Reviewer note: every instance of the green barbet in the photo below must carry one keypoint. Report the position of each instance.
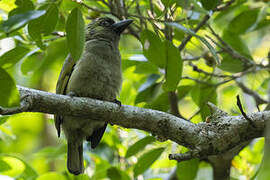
(97, 74)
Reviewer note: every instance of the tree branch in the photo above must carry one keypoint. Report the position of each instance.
(186, 40)
(252, 93)
(223, 133)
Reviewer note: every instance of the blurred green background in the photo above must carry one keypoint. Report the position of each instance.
(33, 50)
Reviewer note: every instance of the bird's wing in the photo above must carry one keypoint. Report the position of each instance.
(65, 75)
(61, 87)
(96, 136)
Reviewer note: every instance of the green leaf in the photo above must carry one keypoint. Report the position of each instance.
(168, 3)
(19, 20)
(139, 145)
(262, 20)
(51, 175)
(128, 63)
(187, 169)
(241, 23)
(183, 91)
(236, 43)
(185, 4)
(14, 55)
(75, 33)
(55, 52)
(263, 172)
(201, 94)
(50, 19)
(149, 82)
(174, 67)
(188, 31)
(34, 30)
(114, 174)
(146, 160)
(228, 14)
(153, 48)
(197, 7)
(160, 103)
(4, 166)
(146, 68)
(148, 94)
(27, 4)
(51, 153)
(3, 119)
(158, 10)
(101, 167)
(142, 67)
(229, 63)
(23, 6)
(28, 172)
(32, 63)
(44, 24)
(148, 90)
(208, 5)
(9, 95)
(179, 35)
(68, 5)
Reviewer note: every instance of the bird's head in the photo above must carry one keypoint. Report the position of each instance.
(106, 28)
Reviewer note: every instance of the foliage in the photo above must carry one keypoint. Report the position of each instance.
(195, 49)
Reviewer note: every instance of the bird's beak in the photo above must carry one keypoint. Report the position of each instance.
(120, 26)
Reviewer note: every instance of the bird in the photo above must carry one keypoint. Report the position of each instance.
(97, 74)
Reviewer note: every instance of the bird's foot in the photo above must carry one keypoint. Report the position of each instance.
(71, 94)
(117, 102)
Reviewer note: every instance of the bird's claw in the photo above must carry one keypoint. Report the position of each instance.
(117, 102)
(71, 94)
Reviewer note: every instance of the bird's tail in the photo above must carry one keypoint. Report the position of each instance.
(75, 157)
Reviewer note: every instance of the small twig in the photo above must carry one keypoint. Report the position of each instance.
(125, 8)
(156, 20)
(241, 74)
(195, 58)
(197, 80)
(151, 6)
(97, 10)
(173, 98)
(104, 2)
(119, 9)
(59, 33)
(24, 105)
(201, 24)
(239, 104)
(10, 111)
(216, 43)
(224, 6)
(195, 68)
(225, 81)
(130, 4)
(184, 156)
(181, 157)
(230, 50)
(252, 93)
(142, 22)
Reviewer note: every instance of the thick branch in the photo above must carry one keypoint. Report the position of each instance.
(223, 133)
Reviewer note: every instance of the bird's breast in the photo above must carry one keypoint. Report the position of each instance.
(98, 73)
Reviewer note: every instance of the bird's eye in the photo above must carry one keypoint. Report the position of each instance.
(104, 23)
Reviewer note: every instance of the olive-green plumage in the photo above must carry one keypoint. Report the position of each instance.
(97, 74)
